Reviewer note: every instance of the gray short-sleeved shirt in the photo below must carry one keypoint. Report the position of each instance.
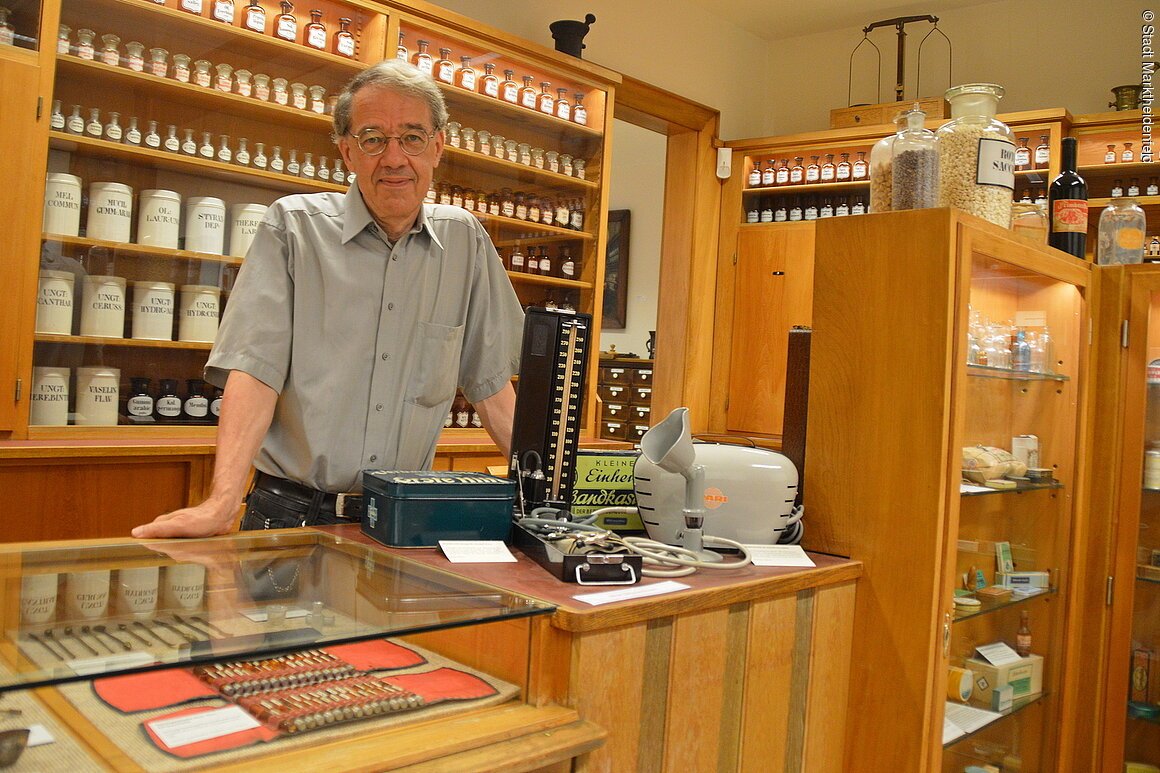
(365, 343)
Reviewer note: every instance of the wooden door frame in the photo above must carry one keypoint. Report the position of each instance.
(688, 266)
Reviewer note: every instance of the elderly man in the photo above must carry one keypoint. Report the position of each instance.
(354, 319)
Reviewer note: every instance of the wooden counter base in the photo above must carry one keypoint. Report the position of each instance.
(746, 670)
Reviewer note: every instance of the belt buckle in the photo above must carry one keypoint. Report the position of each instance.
(340, 502)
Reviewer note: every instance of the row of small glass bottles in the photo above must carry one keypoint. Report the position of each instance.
(489, 144)
(223, 152)
(802, 174)
(1133, 190)
(1027, 158)
(1004, 345)
(536, 260)
(778, 211)
(201, 405)
(1126, 156)
(314, 33)
(564, 213)
(221, 77)
(466, 77)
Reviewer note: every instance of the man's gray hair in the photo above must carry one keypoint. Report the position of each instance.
(398, 76)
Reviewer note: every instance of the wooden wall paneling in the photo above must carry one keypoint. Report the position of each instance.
(79, 498)
(829, 655)
(606, 689)
(766, 708)
(696, 691)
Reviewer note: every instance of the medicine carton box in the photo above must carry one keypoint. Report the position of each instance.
(1024, 676)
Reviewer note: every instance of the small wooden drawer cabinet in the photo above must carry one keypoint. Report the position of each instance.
(625, 390)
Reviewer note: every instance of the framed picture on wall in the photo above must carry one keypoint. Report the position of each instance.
(615, 312)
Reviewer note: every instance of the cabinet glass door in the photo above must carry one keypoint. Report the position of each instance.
(20, 24)
(1018, 407)
(1142, 734)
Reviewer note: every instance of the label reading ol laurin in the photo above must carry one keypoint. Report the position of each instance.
(996, 163)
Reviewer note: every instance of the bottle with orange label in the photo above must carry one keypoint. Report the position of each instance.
(1067, 205)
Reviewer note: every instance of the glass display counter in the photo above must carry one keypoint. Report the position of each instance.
(75, 613)
(273, 646)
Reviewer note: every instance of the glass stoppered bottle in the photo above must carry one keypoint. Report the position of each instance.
(915, 165)
(445, 68)
(314, 33)
(579, 112)
(466, 76)
(254, 17)
(977, 155)
(423, 60)
(489, 83)
(1122, 233)
(344, 42)
(286, 26)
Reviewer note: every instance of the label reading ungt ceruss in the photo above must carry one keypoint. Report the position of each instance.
(996, 163)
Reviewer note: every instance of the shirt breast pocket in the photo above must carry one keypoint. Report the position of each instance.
(437, 366)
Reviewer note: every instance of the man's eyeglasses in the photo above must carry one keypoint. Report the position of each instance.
(373, 142)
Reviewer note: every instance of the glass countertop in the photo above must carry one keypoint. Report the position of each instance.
(78, 611)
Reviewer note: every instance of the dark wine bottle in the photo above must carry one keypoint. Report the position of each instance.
(1068, 206)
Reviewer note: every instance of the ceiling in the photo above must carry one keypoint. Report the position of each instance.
(774, 19)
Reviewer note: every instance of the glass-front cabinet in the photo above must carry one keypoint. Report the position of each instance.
(1128, 456)
(1016, 415)
(952, 420)
(173, 124)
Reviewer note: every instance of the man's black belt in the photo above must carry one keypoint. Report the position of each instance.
(348, 506)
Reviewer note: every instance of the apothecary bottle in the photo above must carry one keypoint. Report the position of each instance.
(110, 53)
(62, 40)
(1023, 155)
(489, 84)
(401, 51)
(1121, 233)
(254, 17)
(829, 169)
(85, 38)
(755, 175)
(797, 173)
(466, 76)
(509, 90)
(159, 62)
(135, 56)
(75, 123)
(445, 68)
(344, 42)
(860, 169)
(152, 139)
(223, 11)
(286, 26)
(181, 71)
(915, 165)
(563, 106)
(1042, 151)
(813, 171)
(1127, 156)
(842, 170)
(132, 133)
(201, 73)
(768, 175)
(168, 404)
(977, 155)
(579, 112)
(140, 402)
(314, 33)
(547, 103)
(781, 176)
(528, 93)
(423, 60)
(93, 126)
(192, 6)
(56, 118)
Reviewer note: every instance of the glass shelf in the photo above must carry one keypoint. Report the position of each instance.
(1017, 705)
(989, 605)
(987, 371)
(1146, 712)
(119, 607)
(1020, 488)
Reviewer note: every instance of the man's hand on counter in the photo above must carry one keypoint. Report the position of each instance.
(210, 518)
